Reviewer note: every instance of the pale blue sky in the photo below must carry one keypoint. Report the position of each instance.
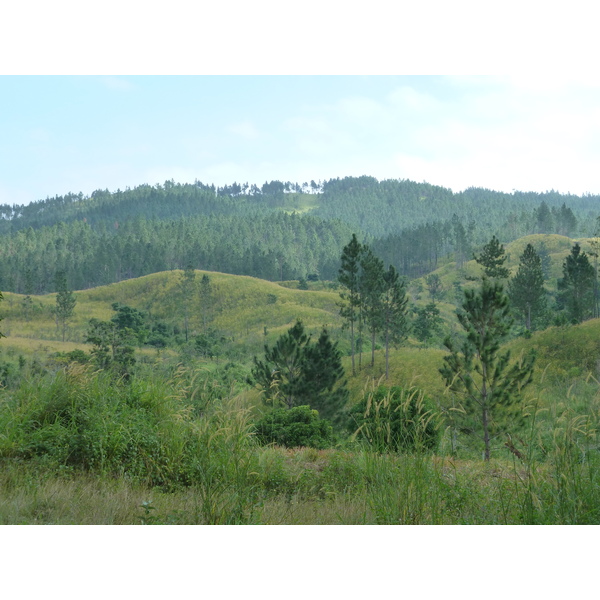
(64, 134)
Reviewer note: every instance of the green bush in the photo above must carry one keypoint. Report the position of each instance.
(395, 420)
(294, 427)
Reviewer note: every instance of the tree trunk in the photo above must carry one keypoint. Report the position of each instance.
(373, 348)
(486, 433)
(352, 345)
(387, 355)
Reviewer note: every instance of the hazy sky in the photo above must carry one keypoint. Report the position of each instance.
(538, 130)
(80, 133)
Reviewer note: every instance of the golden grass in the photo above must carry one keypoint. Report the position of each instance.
(244, 306)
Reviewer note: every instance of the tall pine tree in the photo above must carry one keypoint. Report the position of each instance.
(372, 287)
(349, 277)
(526, 289)
(576, 288)
(65, 303)
(477, 370)
(393, 312)
(492, 259)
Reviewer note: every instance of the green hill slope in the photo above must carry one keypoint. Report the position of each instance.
(244, 307)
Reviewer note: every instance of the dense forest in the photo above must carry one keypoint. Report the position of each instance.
(280, 231)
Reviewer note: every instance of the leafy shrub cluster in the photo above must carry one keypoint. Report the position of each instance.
(145, 431)
(295, 427)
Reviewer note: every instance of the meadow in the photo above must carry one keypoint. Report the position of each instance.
(176, 444)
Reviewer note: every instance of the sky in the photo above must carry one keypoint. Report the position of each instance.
(448, 93)
(81, 133)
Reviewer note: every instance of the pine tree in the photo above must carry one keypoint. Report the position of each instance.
(65, 302)
(393, 312)
(427, 322)
(576, 288)
(477, 370)
(323, 374)
(526, 289)
(544, 222)
(207, 300)
(434, 286)
(280, 374)
(492, 258)
(349, 277)
(298, 372)
(1, 298)
(187, 286)
(371, 285)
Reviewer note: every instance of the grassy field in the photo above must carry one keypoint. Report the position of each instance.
(176, 445)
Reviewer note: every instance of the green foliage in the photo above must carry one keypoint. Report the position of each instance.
(112, 346)
(393, 312)
(434, 286)
(427, 323)
(208, 344)
(348, 277)
(296, 371)
(492, 258)
(371, 290)
(130, 319)
(526, 289)
(395, 420)
(298, 426)
(478, 371)
(142, 432)
(576, 288)
(65, 302)
(1, 298)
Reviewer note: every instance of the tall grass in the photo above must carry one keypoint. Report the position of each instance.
(81, 447)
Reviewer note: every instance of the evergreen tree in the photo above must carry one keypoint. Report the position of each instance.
(298, 372)
(393, 312)
(131, 320)
(492, 258)
(207, 301)
(545, 260)
(544, 219)
(576, 288)
(526, 289)
(595, 253)
(323, 375)
(348, 276)
(371, 285)
(477, 370)
(1, 298)
(112, 347)
(187, 287)
(434, 286)
(65, 303)
(428, 322)
(280, 374)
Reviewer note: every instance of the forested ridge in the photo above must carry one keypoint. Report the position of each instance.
(279, 231)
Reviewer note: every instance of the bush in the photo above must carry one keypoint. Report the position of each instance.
(393, 419)
(294, 427)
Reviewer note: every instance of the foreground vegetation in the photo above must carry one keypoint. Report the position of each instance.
(148, 401)
(83, 447)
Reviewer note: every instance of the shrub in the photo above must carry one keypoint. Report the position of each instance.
(393, 419)
(297, 426)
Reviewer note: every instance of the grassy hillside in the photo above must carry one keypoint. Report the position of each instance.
(244, 307)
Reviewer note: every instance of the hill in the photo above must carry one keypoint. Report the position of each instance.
(277, 232)
(244, 309)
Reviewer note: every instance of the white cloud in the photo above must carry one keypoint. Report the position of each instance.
(117, 83)
(245, 129)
